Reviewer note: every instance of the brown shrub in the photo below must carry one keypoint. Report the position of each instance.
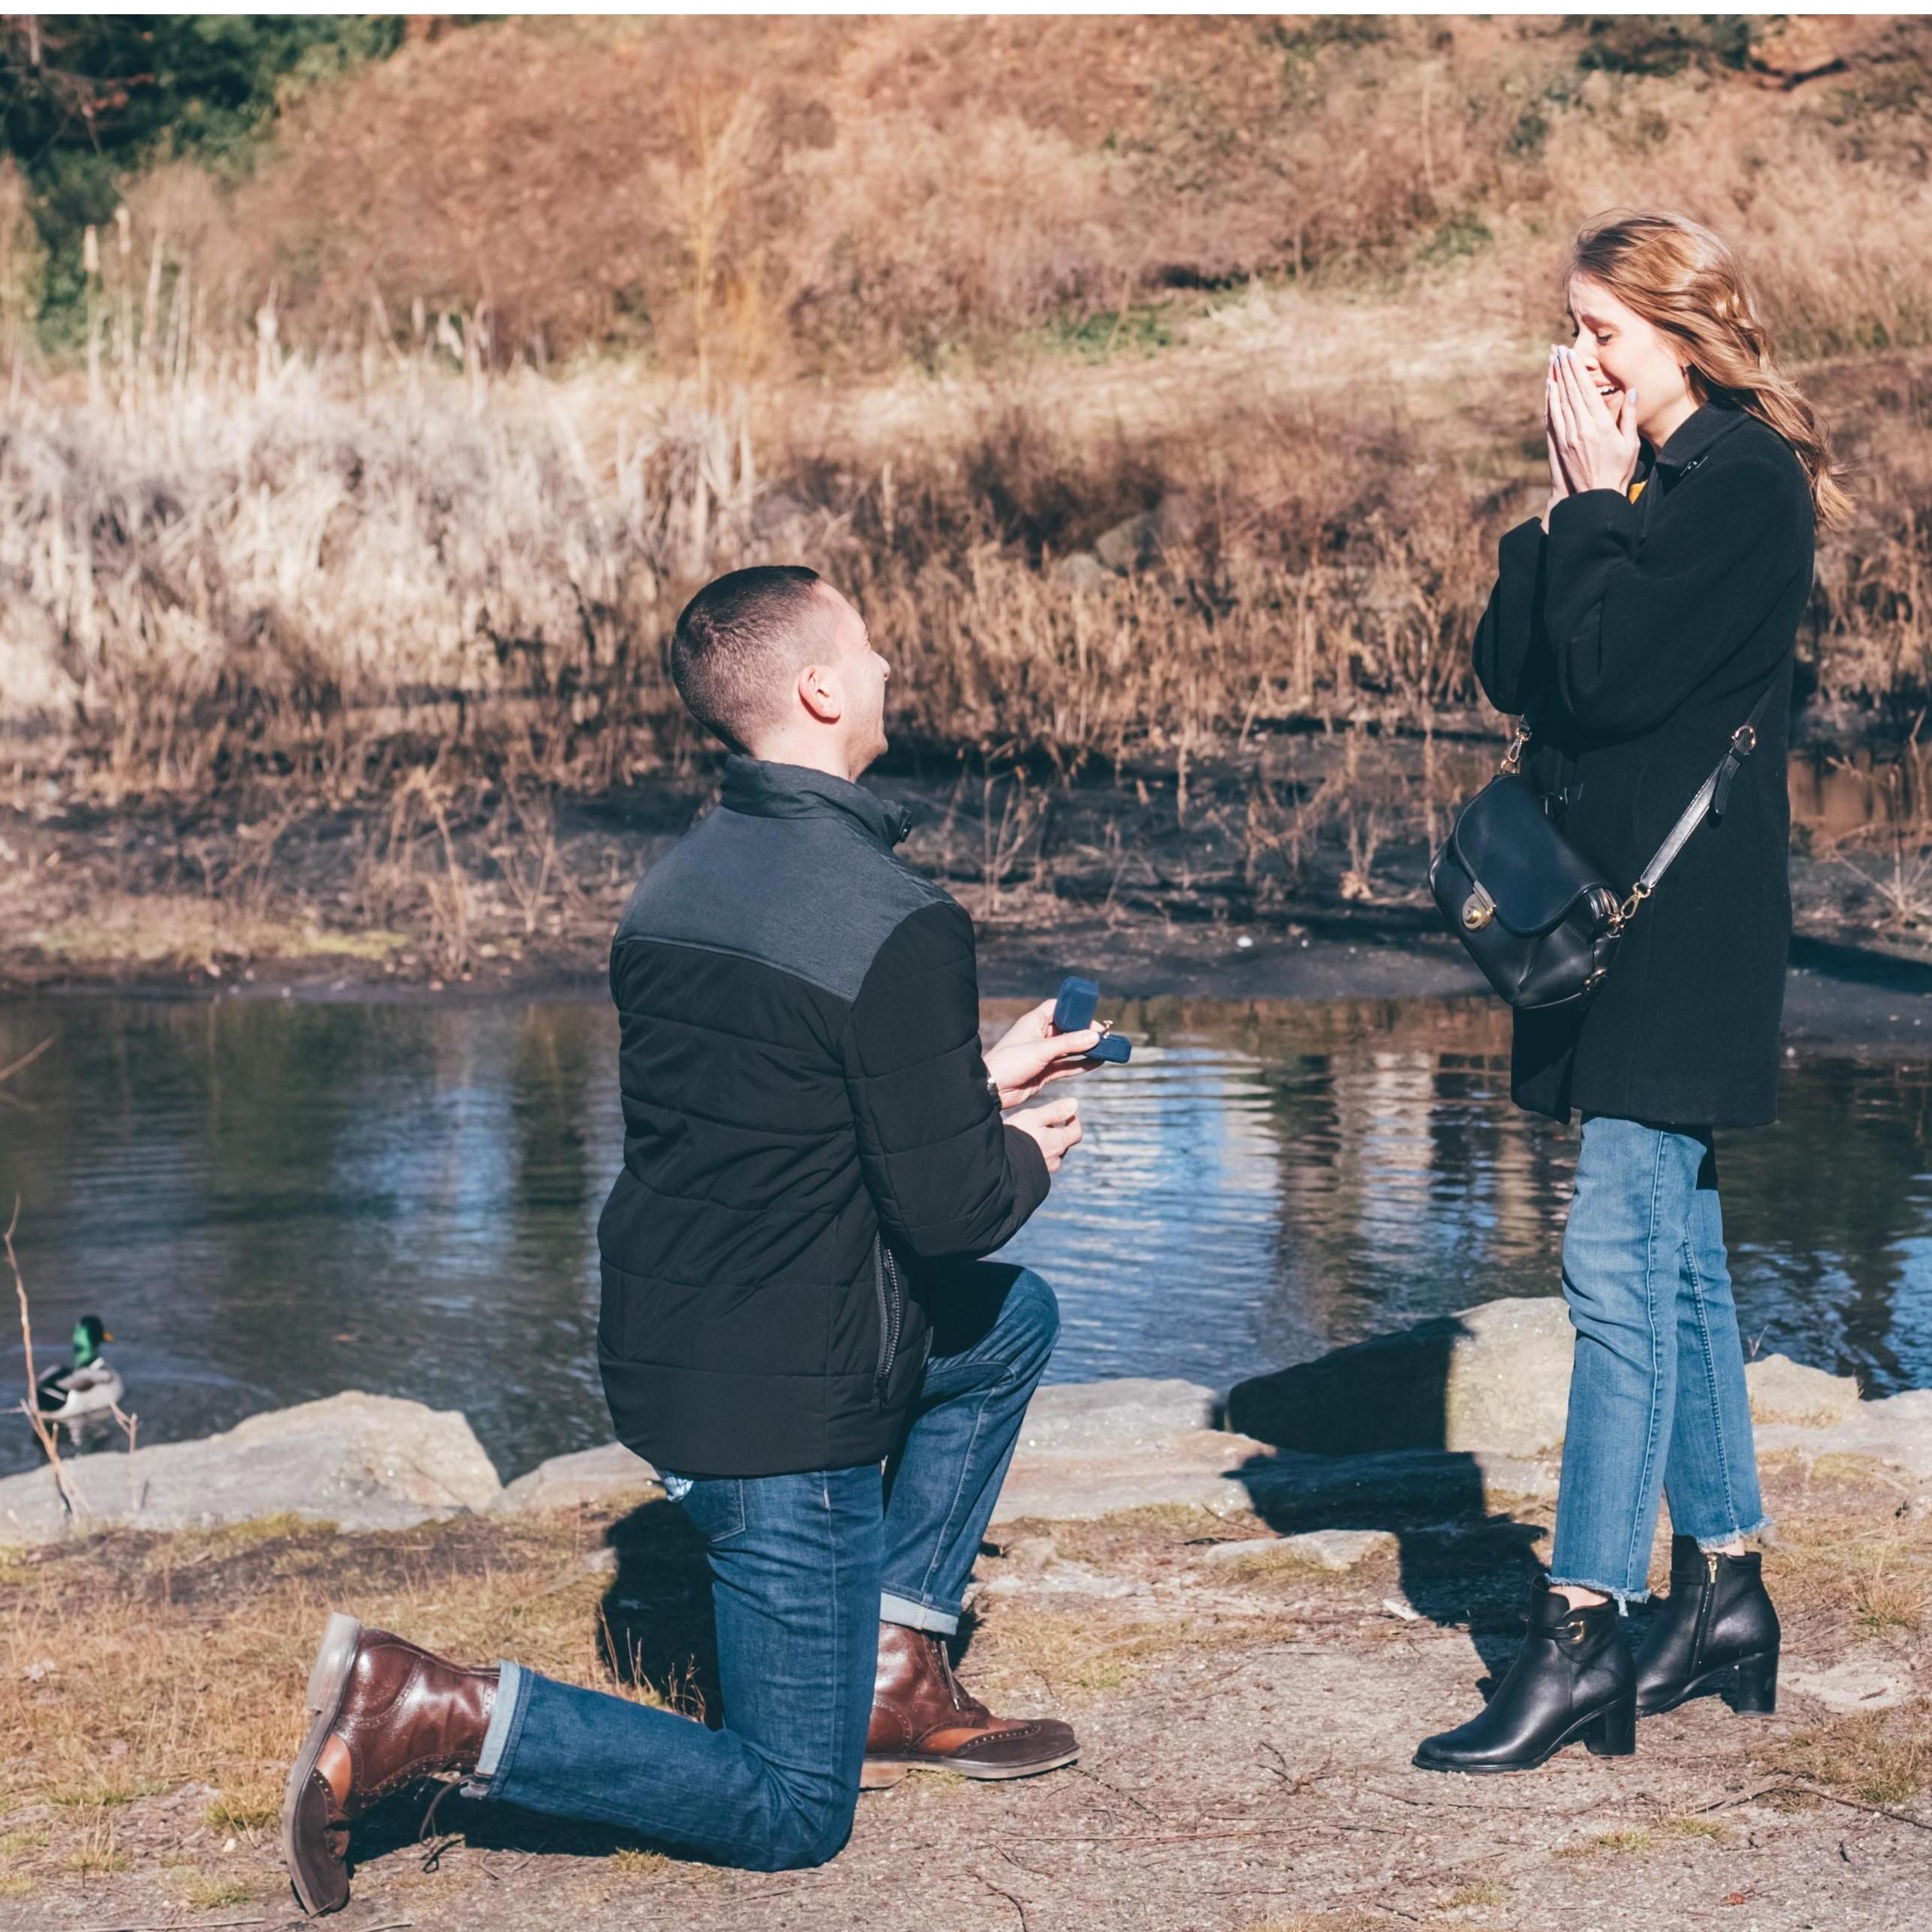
(764, 194)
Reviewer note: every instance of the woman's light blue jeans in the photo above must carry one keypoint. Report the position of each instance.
(1657, 1403)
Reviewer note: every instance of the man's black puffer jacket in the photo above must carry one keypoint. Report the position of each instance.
(806, 1118)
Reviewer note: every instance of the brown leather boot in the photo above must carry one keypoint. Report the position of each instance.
(385, 1714)
(924, 1719)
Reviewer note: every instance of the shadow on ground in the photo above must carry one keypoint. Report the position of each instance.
(655, 1634)
(1363, 1440)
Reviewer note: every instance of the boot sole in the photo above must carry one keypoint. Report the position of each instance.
(327, 1679)
(1617, 1740)
(880, 1774)
(1752, 1691)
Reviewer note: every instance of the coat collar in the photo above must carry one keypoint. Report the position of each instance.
(1695, 436)
(761, 789)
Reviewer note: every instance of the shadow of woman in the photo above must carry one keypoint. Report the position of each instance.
(1361, 1445)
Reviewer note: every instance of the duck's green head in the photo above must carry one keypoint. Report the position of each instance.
(89, 1334)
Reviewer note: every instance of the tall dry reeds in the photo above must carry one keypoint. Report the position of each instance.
(263, 564)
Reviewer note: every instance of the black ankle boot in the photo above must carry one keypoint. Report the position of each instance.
(1572, 1679)
(1716, 1631)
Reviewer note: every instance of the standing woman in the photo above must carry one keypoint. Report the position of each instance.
(1641, 621)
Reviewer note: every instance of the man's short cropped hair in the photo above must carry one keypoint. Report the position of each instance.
(738, 642)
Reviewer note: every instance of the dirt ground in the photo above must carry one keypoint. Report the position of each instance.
(1246, 1720)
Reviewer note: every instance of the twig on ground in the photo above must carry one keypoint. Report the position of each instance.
(1007, 1895)
(44, 1432)
(1093, 1777)
(1296, 1781)
(1020, 1865)
(175, 1924)
(1738, 1798)
(1798, 1781)
(136, 1488)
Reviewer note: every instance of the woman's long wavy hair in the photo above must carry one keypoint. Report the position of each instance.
(1684, 279)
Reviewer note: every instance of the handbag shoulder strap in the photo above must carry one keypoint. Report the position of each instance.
(1712, 796)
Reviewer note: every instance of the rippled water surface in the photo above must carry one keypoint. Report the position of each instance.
(269, 1203)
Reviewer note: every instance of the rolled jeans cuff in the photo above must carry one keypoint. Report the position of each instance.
(916, 1616)
(502, 1726)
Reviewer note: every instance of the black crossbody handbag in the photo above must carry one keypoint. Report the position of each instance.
(1539, 919)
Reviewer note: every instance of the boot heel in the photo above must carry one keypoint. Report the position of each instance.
(1753, 1692)
(1613, 1733)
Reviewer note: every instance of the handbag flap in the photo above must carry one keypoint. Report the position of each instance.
(1505, 841)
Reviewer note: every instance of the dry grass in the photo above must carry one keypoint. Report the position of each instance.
(211, 1635)
(1051, 1654)
(1881, 1757)
(1131, 1537)
(338, 595)
(174, 929)
(1480, 1892)
(1708, 1829)
(632, 1861)
(1355, 1919)
(202, 1891)
(1621, 1841)
(1847, 1560)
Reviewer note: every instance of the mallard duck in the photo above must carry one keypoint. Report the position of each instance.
(88, 1386)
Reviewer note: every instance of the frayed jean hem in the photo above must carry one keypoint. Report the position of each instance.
(1764, 1529)
(1623, 1599)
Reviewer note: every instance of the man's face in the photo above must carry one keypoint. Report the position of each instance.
(862, 674)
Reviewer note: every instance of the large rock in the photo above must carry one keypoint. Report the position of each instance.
(1088, 1448)
(1896, 1430)
(364, 1462)
(601, 1478)
(1134, 1412)
(1782, 1390)
(1495, 1378)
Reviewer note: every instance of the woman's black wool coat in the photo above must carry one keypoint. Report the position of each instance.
(1639, 635)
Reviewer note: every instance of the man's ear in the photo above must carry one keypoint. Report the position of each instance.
(818, 692)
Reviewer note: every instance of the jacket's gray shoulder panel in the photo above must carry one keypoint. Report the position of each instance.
(810, 896)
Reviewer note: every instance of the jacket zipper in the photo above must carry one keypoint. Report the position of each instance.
(885, 1286)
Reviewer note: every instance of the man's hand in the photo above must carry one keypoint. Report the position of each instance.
(1056, 1127)
(1030, 1055)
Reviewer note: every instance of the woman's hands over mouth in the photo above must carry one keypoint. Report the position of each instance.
(1592, 446)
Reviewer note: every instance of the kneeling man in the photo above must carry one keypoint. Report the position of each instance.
(796, 1328)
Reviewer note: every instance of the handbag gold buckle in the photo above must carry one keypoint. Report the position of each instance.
(1478, 909)
(1623, 914)
(1519, 743)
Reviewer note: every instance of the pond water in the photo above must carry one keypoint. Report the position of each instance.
(271, 1202)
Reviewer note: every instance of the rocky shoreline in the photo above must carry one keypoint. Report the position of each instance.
(1467, 1410)
(1249, 1605)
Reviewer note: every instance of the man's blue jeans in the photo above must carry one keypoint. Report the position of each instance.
(1657, 1404)
(803, 1567)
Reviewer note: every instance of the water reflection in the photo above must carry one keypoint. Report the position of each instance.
(270, 1203)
